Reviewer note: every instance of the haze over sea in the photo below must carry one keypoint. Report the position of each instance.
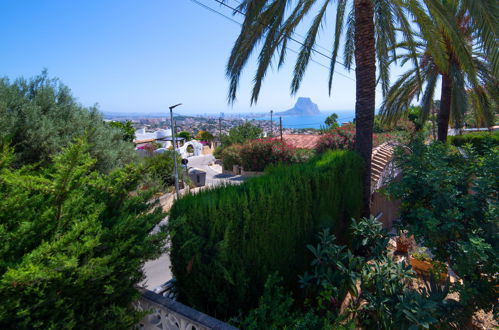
(311, 121)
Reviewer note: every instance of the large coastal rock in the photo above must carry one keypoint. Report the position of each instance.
(303, 107)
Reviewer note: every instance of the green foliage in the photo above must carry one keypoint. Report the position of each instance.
(414, 115)
(332, 121)
(160, 168)
(449, 202)
(275, 311)
(256, 155)
(217, 153)
(204, 136)
(40, 117)
(373, 293)
(454, 57)
(72, 243)
(226, 241)
(370, 240)
(383, 283)
(241, 134)
(342, 138)
(481, 141)
(185, 135)
(335, 273)
(302, 155)
(231, 156)
(127, 129)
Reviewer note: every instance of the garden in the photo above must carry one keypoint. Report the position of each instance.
(285, 250)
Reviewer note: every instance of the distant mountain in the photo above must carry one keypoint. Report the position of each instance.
(303, 107)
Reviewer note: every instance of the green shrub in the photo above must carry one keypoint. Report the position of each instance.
(231, 156)
(73, 243)
(450, 202)
(479, 140)
(159, 166)
(227, 241)
(275, 311)
(39, 117)
(241, 134)
(302, 155)
(256, 155)
(217, 153)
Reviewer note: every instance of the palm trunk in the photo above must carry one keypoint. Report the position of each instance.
(444, 112)
(365, 83)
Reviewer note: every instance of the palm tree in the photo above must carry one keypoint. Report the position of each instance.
(365, 42)
(462, 72)
(369, 29)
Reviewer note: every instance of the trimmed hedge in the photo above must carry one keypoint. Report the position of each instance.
(226, 241)
(479, 140)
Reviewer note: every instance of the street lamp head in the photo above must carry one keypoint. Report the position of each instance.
(174, 106)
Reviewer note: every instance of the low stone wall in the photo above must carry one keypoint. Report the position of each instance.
(168, 314)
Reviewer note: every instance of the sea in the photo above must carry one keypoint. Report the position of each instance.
(315, 121)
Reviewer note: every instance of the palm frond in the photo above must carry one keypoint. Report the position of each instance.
(340, 16)
(399, 97)
(485, 15)
(307, 48)
(275, 12)
(431, 78)
(349, 50)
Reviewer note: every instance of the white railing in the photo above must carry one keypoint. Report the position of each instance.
(168, 314)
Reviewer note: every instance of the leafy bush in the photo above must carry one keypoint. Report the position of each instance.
(231, 156)
(302, 155)
(242, 133)
(275, 311)
(160, 167)
(335, 271)
(39, 117)
(256, 155)
(481, 141)
(370, 240)
(342, 138)
(204, 136)
(127, 129)
(226, 241)
(217, 153)
(185, 135)
(373, 293)
(72, 243)
(450, 204)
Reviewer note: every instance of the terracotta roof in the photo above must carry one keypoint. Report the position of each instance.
(304, 141)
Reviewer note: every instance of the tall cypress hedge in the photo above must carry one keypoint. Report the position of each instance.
(226, 241)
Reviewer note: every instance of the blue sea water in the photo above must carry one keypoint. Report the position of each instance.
(311, 121)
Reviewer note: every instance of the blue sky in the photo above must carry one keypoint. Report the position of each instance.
(142, 56)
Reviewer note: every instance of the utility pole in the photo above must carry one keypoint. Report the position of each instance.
(174, 150)
(271, 128)
(220, 130)
(280, 126)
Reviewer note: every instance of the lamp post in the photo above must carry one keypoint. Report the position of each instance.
(174, 149)
(271, 128)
